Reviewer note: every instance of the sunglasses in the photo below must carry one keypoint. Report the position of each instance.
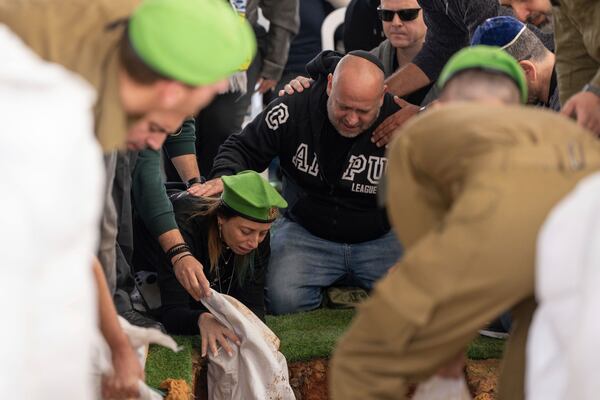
(407, 14)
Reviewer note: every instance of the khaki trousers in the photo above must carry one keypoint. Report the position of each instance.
(470, 257)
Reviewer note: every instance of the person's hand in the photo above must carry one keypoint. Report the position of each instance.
(123, 383)
(296, 85)
(454, 368)
(209, 188)
(190, 273)
(383, 134)
(585, 108)
(195, 189)
(264, 85)
(212, 331)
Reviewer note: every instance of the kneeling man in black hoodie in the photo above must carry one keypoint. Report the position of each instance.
(333, 231)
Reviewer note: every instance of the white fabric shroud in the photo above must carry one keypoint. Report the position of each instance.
(139, 338)
(563, 348)
(257, 370)
(51, 178)
(440, 388)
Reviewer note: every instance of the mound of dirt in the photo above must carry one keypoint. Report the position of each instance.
(177, 389)
(309, 379)
(482, 378)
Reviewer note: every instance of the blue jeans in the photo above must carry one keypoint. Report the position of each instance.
(302, 265)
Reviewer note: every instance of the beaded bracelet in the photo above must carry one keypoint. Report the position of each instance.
(177, 249)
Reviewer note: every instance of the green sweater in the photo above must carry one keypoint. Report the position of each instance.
(147, 187)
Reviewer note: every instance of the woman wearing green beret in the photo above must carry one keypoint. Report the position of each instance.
(230, 237)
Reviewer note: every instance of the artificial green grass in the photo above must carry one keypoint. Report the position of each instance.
(304, 336)
(311, 334)
(483, 348)
(163, 363)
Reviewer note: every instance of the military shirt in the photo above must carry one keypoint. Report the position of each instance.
(83, 36)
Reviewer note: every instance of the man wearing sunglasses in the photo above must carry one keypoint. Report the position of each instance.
(406, 14)
(450, 26)
(404, 30)
(450, 23)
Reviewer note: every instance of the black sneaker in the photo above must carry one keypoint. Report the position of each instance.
(139, 319)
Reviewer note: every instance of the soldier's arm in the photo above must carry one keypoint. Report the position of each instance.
(181, 150)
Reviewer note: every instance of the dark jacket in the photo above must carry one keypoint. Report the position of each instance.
(179, 312)
(450, 25)
(362, 26)
(307, 43)
(554, 100)
(342, 210)
(387, 54)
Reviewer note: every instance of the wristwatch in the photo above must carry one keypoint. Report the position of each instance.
(592, 89)
(195, 180)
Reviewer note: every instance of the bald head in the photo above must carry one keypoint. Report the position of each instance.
(358, 74)
(355, 89)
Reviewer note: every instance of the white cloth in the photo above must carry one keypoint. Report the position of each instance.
(439, 388)
(257, 370)
(140, 338)
(50, 185)
(563, 349)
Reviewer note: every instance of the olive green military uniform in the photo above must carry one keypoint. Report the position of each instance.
(577, 36)
(468, 187)
(77, 35)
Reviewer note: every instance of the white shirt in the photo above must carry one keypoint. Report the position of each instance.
(563, 349)
(50, 201)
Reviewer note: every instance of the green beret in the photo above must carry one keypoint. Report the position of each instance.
(197, 42)
(250, 196)
(487, 58)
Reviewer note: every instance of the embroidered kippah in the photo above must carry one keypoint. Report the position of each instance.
(369, 57)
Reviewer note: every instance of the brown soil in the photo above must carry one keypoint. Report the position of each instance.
(482, 378)
(309, 379)
(177, 389)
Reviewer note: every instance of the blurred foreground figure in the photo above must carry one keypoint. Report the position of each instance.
(49, 235)
(468, 187)
(562, 353)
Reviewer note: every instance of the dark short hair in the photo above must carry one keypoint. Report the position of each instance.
(527, 47)
(469, 83)
(134, 65)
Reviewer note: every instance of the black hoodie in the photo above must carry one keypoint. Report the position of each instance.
(344, 210)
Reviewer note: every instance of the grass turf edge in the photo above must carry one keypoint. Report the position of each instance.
(304, 336)
(163, 363)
